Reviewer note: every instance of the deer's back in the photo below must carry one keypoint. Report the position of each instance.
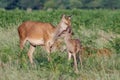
(77, 44)
(36, 30)
(74, 45)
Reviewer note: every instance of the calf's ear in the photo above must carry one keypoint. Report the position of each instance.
(69, 17)
(63, 15)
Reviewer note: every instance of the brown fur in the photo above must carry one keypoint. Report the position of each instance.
(73, 47)
(43, 34)
(59, 46)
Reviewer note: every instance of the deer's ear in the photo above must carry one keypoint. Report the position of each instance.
(63, 15)
(69, 17)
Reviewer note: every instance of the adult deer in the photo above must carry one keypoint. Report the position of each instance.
(42, 34)
(73, 48)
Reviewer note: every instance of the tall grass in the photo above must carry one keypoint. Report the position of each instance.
(95, 28)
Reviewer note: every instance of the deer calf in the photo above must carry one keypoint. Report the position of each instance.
(73, 48)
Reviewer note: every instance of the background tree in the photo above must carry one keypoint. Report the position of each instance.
(60, 4)
(75, 4)
(5, 3)
(111, 4)
(33, 4)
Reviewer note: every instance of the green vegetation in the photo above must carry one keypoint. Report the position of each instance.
(95, 28)
(63, 4)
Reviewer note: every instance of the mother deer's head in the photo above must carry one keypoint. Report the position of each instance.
(64, 24)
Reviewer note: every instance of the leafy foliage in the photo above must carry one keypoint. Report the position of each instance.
(63, 4)
(97, 30)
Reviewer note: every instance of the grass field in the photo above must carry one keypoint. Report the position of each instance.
(97, 29)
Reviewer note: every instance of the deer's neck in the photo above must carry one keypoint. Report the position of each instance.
(57, 32)
(67, 39)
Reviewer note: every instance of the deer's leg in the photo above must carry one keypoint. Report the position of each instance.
(69, 56)
(48, 48)
(22, 43)
(80, 57)
(75, 62)
(30, 53)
